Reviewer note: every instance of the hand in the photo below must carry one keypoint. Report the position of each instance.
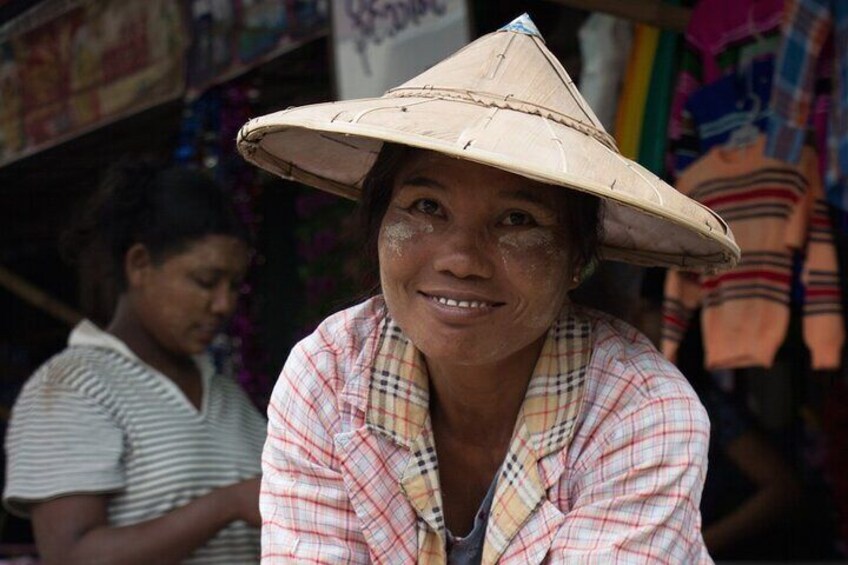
(244, 497)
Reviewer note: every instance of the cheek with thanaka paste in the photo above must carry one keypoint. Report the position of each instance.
(396, 235)
(536, 257)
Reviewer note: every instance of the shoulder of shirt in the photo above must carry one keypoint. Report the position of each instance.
(339, 353)
(346, 331)
(626, 366)
(81, 368)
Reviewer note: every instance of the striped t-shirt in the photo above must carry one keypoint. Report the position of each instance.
(96, 419)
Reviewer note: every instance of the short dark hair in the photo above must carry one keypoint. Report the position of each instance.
(580, 213)
(166, 209)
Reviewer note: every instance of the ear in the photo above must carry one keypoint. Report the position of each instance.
(575, 277)
(137, 265)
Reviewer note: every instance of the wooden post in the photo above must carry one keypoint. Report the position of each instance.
(38, 298)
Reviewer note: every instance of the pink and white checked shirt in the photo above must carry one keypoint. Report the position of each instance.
(606, 464)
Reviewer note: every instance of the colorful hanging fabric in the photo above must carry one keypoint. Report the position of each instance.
(652, 145)
(808, 25)
(631, 109)
(722, 36)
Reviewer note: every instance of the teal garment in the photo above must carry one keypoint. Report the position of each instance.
(652, 144)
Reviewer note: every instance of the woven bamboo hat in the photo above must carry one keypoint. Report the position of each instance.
(504, 101)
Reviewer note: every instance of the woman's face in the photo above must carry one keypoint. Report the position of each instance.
(184, 301)
(474, 262)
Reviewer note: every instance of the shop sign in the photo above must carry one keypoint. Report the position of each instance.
(378, 44)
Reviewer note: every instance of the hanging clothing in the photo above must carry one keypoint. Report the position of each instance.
(722, 36)
(774, 209)
(634, 95)
(653, 143)
(808, 25)
(605, 43)
(716, 110)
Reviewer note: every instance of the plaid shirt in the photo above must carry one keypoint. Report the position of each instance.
(807, 26)
(606, 464)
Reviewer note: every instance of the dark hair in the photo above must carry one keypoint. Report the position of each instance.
(164, 209)
(580, 213)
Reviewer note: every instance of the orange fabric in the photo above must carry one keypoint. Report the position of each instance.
(775, 210)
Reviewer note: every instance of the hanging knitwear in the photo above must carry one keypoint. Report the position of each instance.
(775, 210)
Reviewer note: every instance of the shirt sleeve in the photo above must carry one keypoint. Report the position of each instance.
(681, 297)
(306, 513)
(806, 26)
(61, 440)
(823, 324)
(636, 497)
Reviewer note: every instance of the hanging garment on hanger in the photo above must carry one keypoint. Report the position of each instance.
(605, 43)
(808, 25)
(775, 210)
(722, 34)
(717, 109)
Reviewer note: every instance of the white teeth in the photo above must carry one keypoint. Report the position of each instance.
(461, 303)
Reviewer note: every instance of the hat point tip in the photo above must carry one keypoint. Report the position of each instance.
(523, 24)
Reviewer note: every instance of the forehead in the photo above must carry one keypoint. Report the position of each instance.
(427, 168)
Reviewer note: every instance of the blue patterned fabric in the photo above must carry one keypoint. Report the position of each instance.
(809, 24)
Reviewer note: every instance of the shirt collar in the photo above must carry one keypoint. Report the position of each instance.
(87, 334)
(398, 408)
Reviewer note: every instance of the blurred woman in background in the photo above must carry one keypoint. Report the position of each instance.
(131, 445)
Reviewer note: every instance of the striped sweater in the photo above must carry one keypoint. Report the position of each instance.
(776, 211)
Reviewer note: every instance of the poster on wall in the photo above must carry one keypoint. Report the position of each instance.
(229, 37)
(91, 64)
(378, 44)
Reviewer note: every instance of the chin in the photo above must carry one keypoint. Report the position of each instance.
(463, 352)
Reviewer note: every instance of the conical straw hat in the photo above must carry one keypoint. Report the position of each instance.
(504, 101)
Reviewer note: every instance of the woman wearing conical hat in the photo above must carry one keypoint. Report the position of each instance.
(470, 413)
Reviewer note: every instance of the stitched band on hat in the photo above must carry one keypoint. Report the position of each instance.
(488, 100)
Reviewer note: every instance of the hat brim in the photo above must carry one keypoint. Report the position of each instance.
(332, 146)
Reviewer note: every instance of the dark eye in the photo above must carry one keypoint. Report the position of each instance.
(207, 283)
(518, 219)
(426, 206)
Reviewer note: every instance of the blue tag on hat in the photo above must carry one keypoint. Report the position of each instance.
(522, 24)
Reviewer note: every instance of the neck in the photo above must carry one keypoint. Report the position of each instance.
(126, 326)
(479, 405)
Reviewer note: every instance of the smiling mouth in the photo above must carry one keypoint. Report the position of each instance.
(466, 304)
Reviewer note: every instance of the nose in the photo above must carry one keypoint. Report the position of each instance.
(465, 253)
(224, 300)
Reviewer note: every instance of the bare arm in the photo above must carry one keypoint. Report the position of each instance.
(777, 490)
(74, 529)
